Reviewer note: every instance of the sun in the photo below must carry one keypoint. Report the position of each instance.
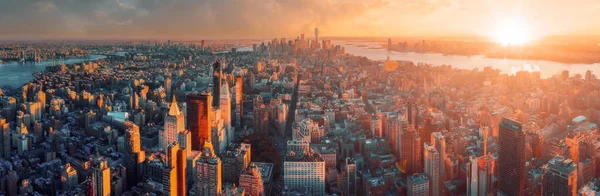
(512, 32)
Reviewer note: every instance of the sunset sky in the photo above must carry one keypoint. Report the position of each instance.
(187, 19)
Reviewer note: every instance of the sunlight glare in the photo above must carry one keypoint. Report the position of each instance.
(512, 32)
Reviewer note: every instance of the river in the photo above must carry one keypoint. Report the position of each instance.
(373, 51)
(16, 74)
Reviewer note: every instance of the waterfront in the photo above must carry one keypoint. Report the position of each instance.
(15, 74)
(373, 51)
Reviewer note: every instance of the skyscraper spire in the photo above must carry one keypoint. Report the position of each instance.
(174, 108)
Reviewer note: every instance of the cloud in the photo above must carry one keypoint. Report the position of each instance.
(172, 18)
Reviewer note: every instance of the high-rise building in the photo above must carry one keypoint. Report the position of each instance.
(480, 172)
(560, 178)
(260, 117)
(347, 178)
(439, 143)
(428, 129)
(412, 113)
(418, 185)
(208, 172)
(304, 172)
(68, 177)
(134, 155)
(511, 158)
(199, 116)
(101, 177)
(4, 139)
(317, 35)
(217, 78)
(235, 160)
(432, 168)
(251, 181)
(411, 152)
(168, 85)
(376, 127)
(389, 47)
(174, 124)
(169, 171)
(239, 94)
(225, 106)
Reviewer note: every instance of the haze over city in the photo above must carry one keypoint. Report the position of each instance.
(193, 19)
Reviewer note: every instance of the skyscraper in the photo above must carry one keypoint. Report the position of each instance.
(199, 116)
(347, 178)
(239, 108)
(317, 34)
(169, 171)
(251, 181)
(561, 177)
(411, 151)
(216, 79)
(389, 44)
(208, 172)
(511, 158)
(101, 177)
(439, 143)
(432, 168)
(4, 139)
(225, 106)
(235, 160)
(480, 171)
(174, 124)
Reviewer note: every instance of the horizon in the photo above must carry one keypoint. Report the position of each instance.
(258, 19)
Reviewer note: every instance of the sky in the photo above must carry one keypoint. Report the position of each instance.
(198, 19)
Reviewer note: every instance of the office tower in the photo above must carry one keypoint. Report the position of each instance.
(199, 116)
(23, 140)
(219, 139)
(411, 152)
(239, 93)
(68, 177)
(418, 185)
(428, 129)
(260, 117)
(225, 106)
(412, 113)
(217, 77)
(330, 114)
(235, 160)
(251, 181)
(170, 180)
(347, 178)
(304, 172)
(389, 47)
(4, 139)
(560, 178)
(208, 172)
(432, 167)
(168, 85)
(181, 171)
(480, 172)
(511, 158)
(100, 177)
(134, 155)
(376, 127)
(317, 35)
(174, 124)
(439, 143)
